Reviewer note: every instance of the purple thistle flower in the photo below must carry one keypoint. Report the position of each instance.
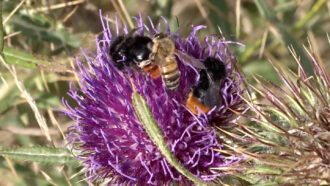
(111, 140)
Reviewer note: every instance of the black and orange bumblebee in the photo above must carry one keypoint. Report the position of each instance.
(206, 94)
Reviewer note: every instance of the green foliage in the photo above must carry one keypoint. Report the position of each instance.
(218, 17)
(38, 29)
(287, 38)
(20, 58)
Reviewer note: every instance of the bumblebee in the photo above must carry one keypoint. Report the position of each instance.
(206, 94)
(128, 49)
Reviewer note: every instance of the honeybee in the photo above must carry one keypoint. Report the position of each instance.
(206, 94)
(163, 50)
(154, 56)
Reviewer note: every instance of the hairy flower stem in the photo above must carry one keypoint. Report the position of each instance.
(149, 124)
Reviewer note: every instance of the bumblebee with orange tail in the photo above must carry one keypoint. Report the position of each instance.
(206, 94)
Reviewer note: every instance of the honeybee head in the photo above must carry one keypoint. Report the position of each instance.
(160, 35)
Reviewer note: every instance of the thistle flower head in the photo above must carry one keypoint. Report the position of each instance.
(293, 128)
(108, 134)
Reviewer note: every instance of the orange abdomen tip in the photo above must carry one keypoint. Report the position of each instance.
(152, 70)
(192, 104)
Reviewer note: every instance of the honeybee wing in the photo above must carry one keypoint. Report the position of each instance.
(189, 60)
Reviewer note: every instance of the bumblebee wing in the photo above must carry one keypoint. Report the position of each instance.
(189, 60)
(212, 96)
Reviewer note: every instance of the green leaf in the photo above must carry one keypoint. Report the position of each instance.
(266, 11)
(155, 134)
(38, 28)
(250, 50)
(69, 39)
(20, 58)
(39, 154)
(218, 16)
(47, 100)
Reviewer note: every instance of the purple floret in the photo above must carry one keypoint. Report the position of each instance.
(108, 135)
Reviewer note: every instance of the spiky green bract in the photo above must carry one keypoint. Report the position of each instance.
(290, 130)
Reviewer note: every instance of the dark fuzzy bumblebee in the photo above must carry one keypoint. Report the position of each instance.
(124, 50)
(206, 94)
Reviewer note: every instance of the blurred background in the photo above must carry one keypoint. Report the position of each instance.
(43, 37)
